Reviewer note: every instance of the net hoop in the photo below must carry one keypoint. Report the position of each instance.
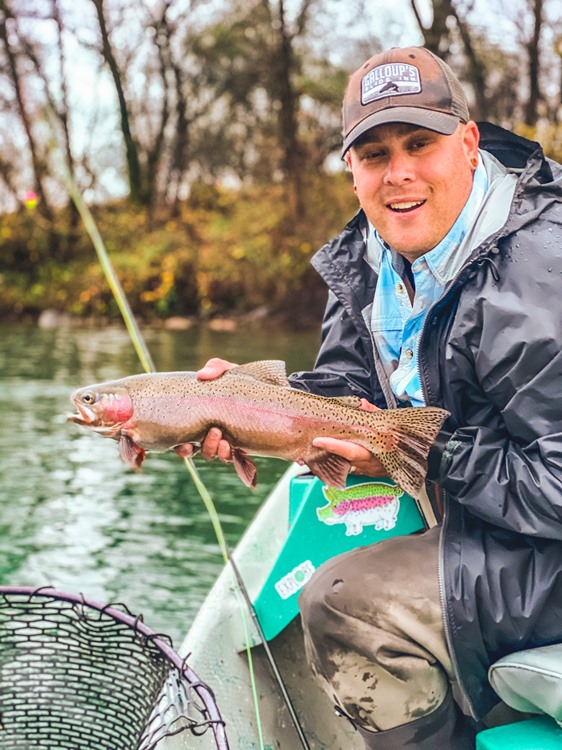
(38, 626)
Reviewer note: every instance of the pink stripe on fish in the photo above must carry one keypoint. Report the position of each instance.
(363, 503)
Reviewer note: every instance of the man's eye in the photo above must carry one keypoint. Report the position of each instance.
(417, 145)
(372, 155)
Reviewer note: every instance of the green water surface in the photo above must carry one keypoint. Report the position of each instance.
(73, 516)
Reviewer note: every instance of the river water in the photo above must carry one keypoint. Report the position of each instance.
(73, 516)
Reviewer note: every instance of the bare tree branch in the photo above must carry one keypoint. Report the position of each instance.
(131, 147)
(39, 169)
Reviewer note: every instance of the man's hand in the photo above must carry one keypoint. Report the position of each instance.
(214, 368)
(362, 461)
(214, 446)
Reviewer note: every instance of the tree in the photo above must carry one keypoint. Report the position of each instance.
(10, 36)
(137, 187)
(437, 38)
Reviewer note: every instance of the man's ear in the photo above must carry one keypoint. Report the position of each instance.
(471, 138)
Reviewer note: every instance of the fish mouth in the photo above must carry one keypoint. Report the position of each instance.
(85, 416)
(87, 419)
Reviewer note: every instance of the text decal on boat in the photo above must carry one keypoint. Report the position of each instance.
(295, 580)
(370, 504)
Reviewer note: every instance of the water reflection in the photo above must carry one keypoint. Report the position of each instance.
(72, 514)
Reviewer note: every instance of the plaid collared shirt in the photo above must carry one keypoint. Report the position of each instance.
(396, 323)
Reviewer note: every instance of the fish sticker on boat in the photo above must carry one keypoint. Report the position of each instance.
(370, 504)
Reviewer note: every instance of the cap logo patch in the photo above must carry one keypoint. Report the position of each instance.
(391, 79)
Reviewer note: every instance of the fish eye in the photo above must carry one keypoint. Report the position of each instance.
(88, 398)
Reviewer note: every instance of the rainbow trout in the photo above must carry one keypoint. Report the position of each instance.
(259, 414)
(368, 504)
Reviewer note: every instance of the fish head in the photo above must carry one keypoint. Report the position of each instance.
(104, 409)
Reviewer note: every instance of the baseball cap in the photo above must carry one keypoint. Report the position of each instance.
(403, 84)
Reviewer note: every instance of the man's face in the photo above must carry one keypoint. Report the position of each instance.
(413, 183)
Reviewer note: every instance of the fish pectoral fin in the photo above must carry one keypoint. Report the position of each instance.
(272, 371)
(245, 467)
(186, 450)
(330, 469)
(131, 453)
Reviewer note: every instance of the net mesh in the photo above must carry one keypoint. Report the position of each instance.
(76, 674)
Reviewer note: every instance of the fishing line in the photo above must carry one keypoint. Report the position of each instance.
(148, 365)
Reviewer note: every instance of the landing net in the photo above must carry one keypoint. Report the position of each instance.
(76, 674)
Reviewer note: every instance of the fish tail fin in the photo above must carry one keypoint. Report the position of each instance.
(405, 446)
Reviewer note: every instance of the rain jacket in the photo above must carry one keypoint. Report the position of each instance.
(491, 354)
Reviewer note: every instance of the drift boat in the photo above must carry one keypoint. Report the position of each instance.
(301, 524)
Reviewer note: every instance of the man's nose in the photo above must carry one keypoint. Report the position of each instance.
(399, 169)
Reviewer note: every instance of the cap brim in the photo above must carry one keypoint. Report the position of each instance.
(440, 122)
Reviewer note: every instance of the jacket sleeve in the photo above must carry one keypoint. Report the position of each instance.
(343, 366)
(517, 487)
(507, 468)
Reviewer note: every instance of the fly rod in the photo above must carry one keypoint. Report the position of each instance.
(147, 362)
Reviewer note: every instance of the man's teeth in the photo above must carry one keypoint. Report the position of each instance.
(404, 206)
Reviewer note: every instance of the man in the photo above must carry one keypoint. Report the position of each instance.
(444, 290)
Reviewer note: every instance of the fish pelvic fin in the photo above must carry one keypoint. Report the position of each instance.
(272, 371)
(245, 467)
(330, 469)
(404, 448)
(131, 453)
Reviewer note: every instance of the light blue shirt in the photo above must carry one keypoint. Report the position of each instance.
(396, 323)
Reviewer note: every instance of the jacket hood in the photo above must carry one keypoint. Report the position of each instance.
(540, 178)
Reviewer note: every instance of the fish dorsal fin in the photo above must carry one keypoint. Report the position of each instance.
(271, 371)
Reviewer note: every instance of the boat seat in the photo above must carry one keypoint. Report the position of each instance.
(531, 681)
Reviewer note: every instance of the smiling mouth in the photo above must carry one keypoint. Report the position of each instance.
(405, 206)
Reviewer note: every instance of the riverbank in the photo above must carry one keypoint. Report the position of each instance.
(262, 318)
(225, 256)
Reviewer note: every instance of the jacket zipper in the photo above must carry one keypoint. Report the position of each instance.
(443, 597)
(390, 399)
(444, 521)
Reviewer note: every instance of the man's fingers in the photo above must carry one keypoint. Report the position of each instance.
(368, 406)
(215, 446)
(224, 451)
(210, 446)
(351, 451)
(214, 368)
(362, 461)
